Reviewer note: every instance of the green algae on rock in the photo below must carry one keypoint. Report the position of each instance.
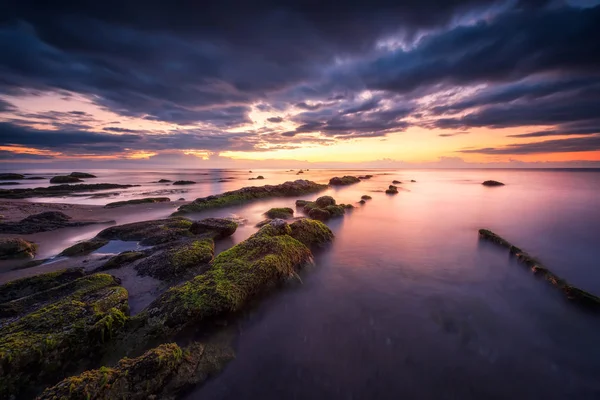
(83, 248)
(16, 248)
(247, 194)
(149, 233)
(147, 200)
(40, 347)
(572, 293)
(283, 213)
(27, 286)
(238, 274)
(185, 259)
(121, 259)
(344, 180)
(311, 232)
(217, 228)
(161, 373)
(319, 214)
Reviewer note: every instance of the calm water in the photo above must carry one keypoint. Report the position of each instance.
(407, 303)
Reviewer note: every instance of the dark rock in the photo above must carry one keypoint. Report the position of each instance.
(9, 183)
(26, 287)
(181, 199)
(263, 222)
(150, 233)
(83, 248)
(44, 222)
(345, 180)
(161, 373)
(64, 179)
(147, 200)
(16, 248)
(492, 183)
(164, 180)
(121, 259)
(362, 177)
(184, 183)
(325, 201)
(301, 203)
(412, 180)
(33, 178)
(395, 182)
(311, 232)
(10, 177)
(365, 197)
(217, 228)
(319, 214)
(247, 194)
(392, 190)
(362, 202)
(58, 190)
(82, 175)
(283, 213)
(258, 177)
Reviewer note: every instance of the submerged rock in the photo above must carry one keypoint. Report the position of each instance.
(345, 180)
(83, 248)
(362, 201)
(412, 180)
(258, 177)
(362, 177)
(82, 175)
(58, 190)
(64, 179)
(392, 190)
(365, 197)
(16, 248)
(11, 176)
(283, 213)
(247, 194)
(238, 274)
(138, 201)
(217, 228)
(184, 183)
(150, 233)
(160, 373)
(492, 183)
(572, 293)
(44, 222)
(42, 346)
(311, 232)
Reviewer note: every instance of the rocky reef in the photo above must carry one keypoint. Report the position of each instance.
(44, 222)
(58, 190)
(492, 183)
(282, 213)
(147, 200)
(571, 292)
(323, 208)
(184, 183)
(344, 180)
(149, 233)
(82, 175)
(11, 176)
(16, 248)
(247, 194)
(65, 179)
(311, 232)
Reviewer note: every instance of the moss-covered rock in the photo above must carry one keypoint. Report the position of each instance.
(238, 274)
(492, 183)
(181, 260)
(347, 206)
(83, 248)
(27, 286)
(44, 222)
(150, 233)
(58, 190)
(302, 203)
(365, 197)
(44, 345)
(217, 228)
(247, 194)
(335, 210)
(283, 213)
(160, 373)
(16, 248)
(319, 214)
(325, 201)
(64, 179)
(147, 200)
(344, 180)
(82, 175)
(572, 293)
(11, 176)
(121, 259)
(311, 232)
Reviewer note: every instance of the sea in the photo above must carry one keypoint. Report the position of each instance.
(407, 302)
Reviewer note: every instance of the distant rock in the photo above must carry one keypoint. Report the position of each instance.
(9, 183)
(395, 182)
(11, 176)
(412, 180)
(365, 197)
(44, 222)
(34, 178)
(345, 180)
(184, 183)
(258, 177)
(64, 179)
(147, 200)
(362, 201)
(164, 180)
(181, 199)
(16, 248)
(83, 248)
(82, 175)
(218, 228)
(492, 183)
(362, 177)
(392, 190)
(58, 190)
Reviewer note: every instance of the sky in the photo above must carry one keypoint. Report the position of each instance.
(289, 83)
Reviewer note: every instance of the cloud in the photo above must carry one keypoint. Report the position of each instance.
(591, 143)
(275, 120)
(452, 134)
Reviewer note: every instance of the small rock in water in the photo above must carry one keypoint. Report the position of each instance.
(492, 183)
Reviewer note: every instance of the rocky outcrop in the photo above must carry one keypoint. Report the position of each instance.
(344, 180)
(58, 190)
(395, 182)
(121, 259)
(64, 179)
(147, 200)
(365, 197)
(82, 175)
(492, 183)
(247, 194)
(11, 177)
(150, 233)
(258, 177)
(184, 183)
(571, 292)
(44, 222)
(363, 177)
(16, 248)
(60, 330)
(311, 232)
(164, 180)
(83, 248)
(282, 213)
(160, 373)
(392, 190)
(217, 228)
(323, 208)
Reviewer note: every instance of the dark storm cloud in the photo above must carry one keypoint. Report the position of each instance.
(10, 156)
(6, 106)
(590, 143)
(120, 130)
